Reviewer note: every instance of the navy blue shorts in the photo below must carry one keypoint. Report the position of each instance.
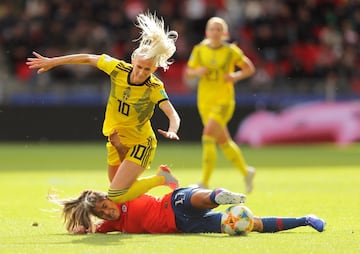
(190, 219)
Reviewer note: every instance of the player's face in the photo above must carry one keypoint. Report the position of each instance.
(215, 32)
(142, 68)
(107, 210)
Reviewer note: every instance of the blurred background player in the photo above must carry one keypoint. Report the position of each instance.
(185, 210)
(134, 93)
(214, 62)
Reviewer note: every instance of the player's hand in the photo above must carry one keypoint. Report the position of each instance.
(79, 230)
(201, 71)
(169, 134)
(231, 77)
(39, 62)
(114, 139)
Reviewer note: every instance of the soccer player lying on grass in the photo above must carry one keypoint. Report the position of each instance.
(184, 210)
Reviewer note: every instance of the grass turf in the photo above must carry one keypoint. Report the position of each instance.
(290, 181)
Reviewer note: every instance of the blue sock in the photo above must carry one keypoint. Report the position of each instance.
(214, 193)
(275, 224)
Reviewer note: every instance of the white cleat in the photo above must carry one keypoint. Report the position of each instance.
(225, 197)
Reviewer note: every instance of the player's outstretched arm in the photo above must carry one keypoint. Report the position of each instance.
(43, 63)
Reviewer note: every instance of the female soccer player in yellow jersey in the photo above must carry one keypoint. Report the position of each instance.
(216, 62)
(135, 91)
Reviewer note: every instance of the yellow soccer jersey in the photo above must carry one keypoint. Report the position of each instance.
(220, 61)
(130, 106)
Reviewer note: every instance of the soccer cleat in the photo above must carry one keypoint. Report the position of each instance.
(224, 197)
(170, 180)
(315, 222)
(249, 179)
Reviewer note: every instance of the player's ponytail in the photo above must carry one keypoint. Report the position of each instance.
(78, 212)
(155, 41)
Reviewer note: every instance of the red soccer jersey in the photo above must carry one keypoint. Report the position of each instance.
(146, 214)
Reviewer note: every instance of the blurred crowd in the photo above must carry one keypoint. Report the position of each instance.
(293, 44)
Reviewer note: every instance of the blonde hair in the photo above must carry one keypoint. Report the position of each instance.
(155, 42)
(224, 25)
(79, 212)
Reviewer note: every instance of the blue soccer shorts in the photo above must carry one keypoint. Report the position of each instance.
(190, 219)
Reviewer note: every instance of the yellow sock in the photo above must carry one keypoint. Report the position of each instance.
(233, 153)
(139, 187)
(208, 159)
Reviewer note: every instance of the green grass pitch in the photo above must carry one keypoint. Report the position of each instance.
(290, 181)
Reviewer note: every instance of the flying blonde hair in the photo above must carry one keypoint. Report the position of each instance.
(79, 212)
(155, 42)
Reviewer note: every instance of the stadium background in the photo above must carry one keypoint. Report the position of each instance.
(304, 51)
